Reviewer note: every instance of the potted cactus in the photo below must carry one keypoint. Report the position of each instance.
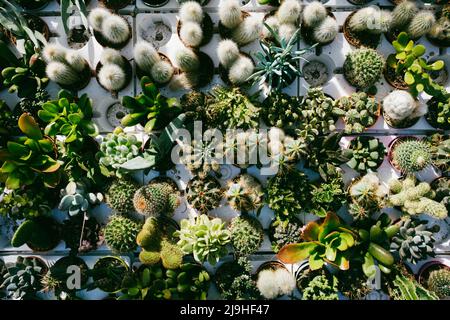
(365, 153)
(108, 273)
(283, 232)
(410, 155)
(246, 234)
(194, 27)
(319, 24)
(363, 68)
(149, 62)
(360, 112)
(401, 110)
(235, 67)
(439, 34)
(273, 280)
(113, 71)
(120, 234)
(245, 193)
(435, 276)
(110, 30)
(204, 194)
(285, 20)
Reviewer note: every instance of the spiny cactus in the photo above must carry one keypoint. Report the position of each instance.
(156, 199)
(439, 282)
(120, 234)
(326, 31)
(411, 155)
(227, 52)
(116, 29)
(61, 73)
(414, 242)
(205, 194)
(112, 77)
(191, 11)
(191, 33)
(421, 24)
(162, 72)
(230, 13)
(246, 235)
(97, 16)
(145, 56)
(241, 70)
(76, 61)
(313, 13)
(244, 193)
(363, 67)
(400, 106)
(111, 56)
(289, 12)
(120, 193)
(247, 31)
(403, 13)
(285, 232)
(187, 60)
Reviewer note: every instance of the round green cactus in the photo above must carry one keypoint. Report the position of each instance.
(439, 282)
(411, 155)
(246, 234)
(120, 234)
(363, 67)
(120, 193)
(156, 199)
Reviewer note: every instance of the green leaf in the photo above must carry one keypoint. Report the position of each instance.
(138, 163)
(368, 266)
(311, 232)
(17, 149)
(150, 125)
(437, 65)
(409, 78)
(419, 50)
(46, 116)
(46, 145)
(315, 262)
(29, 127)
(75, 118)
(295, 252)
(13, 181)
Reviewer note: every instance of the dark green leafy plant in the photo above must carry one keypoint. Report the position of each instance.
(6, 125)
(40, 234)
(284, 232)
(65, 12)
(281, 110)
(108, 273)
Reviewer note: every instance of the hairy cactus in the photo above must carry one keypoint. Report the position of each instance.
(120, 234)
(76, 199)
(204, 194)
(439, 282)
(400, 106)
(120, 193)
(191, 33)
(286, 31)
(285, 232)
(363, 67)
(326, 31)
(115, 29)
(145, 56)
(314, 13)
(273, 283)
(289, 12)
(414, 242)
(187, 60)
(227, 52)
(162, 72)
(440, 32)
(61, 73)
(76, 60)
(421, 24)
(415, 198)
(370, 19)
(246, 235)
(247, 31)
(403, 13)
(97, 16)
(230, 13)
(244, 193)
(54, 52)
(273, 23)
(191, 11)
(156, 199)
(411, 155)
(241, 70)
(111, 56)
(112, 77)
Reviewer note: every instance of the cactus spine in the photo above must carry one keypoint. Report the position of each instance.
(439, 282)
(145, 56)
(227, 52)
(112, 77)
(191, 11)
(411, 155)
(314, 13)
(421, 24)
(187, 60)
(289, 12)
(403, 13)
(162, 72)
(230, 13)
(191, 33)
(61, 73)
(326, 31)
(115, 29)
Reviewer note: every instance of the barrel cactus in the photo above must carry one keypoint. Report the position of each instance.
(411, 155)
(439, 282)
(120, 234)
(156, 199)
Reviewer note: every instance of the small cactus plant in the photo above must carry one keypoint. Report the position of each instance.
(204, 194)
(241, 70)
(326, 31)
(191, 11)
(247, 31)
(110, 30)
(119, 195)
(245, 193)
(399, 108)
(403, 13)
(191, 34)
(314, 13)
(156, 199)
(439, 282)
(112, 77)
(363, 67)
(227, 52)
(421, 24)
(151, 64)
(411, 155)
(289, 12)
(120, 234)
(230, 13)
(187, 60)
(246, 235)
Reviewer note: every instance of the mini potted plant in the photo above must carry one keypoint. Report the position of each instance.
(152, 63)
(110, 30)
(440, 147)
(119, 194)
(235, 67)
(401, 110)
(40, 234)
(365, 153)
(285, 20)
(108, 273)
(435, 276)
(363, 68)
(246, 233)
(321, 287)
(317, 70)
(274, 280)
(438, 114)
(81, 235)
(410, 155)
(283, 232)
(204, 194)
(441, 187)
(439, 35)
(282, 111)
(194, 27)
(113, 71)
(245, 193)
(120, 234)
(319, 25)
(360, 112)
(159, 198)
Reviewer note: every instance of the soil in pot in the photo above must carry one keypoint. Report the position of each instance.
(432, 115)
(115, 4)
(405, 123)
(315, 73)
(206, 72)
(108, 273)
(207, 26)
(128, 73)
(105, 43)
(158, 33)
(360, 39)
(115, 114)
(77, 37)
(155, 3)
(226, 33)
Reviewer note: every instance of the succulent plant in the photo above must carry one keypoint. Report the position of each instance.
(6, 125)
(439, 282)
(120, 234)
(245, 193)
(411, 155)
(415, 198)
(439, 114)
(285, 232)
(440, 148)
(321, 288)
(399, 107)
(407, 288)
(440, 30)
(30, 105)
(363, 67)
(23, 279)
(231, 109)
(288, 194)
(204, 194)
(367, 196)
(29, 158)
(113, 29)
(370, 20)
(403, 13)
(40, 234)
(361, 111)
(273, 283)
(246, 234)
(156, 198)
(202, 157)
(81, 234)
(77, 200)
(365, 153)
(25, 203)
(230, 14)
(205, 238)
(414, 242)
(281, 110)
(150, 109)
(120, 193)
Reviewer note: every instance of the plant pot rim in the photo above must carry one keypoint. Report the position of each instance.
(148, 3)
(110, 258)
(353, 38)
(426, 266)
(121, 5)
(272, 265)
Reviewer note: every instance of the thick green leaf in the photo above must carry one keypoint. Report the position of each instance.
(311, 231)
(29, 127)
(293, 253)
(17, 149)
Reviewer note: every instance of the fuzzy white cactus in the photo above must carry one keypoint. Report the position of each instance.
(145, 56)
(112, 77)
(363, 19)
(76, 61)
(286, 31)
(241, 70)
(273, 23)
(400, 105)
(162, 71)
(111, 56)
(289, 12)
(191, 33)
(275, 283)
(314, 13)
(247, 31)
(403, 13)
(421, 24)
(227, 52)
(185, 81)
(54, 52)
(326, 31)
(115, 29)
(230, 13)
(385, 21)
(62, 74)
(97, 16)
(187, 60)
(191, 11)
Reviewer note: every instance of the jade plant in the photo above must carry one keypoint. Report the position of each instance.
(29, 158)
(205, 238)
(328, 242)
(246, 235)
(6, 125)
(411, 155)
(359, 111)
(150, 109)
(365, 153)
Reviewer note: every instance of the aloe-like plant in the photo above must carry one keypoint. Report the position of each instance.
(29, 158)
(65, 12)
(150, 109)
(327, 242)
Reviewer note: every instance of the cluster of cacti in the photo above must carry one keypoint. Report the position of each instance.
(360, 111)
(273, 283)
(66, 67)
(111, 30)
(203, 237)
(76, 199)
(113, 73)
(365, 153)
(414, 242)
(363, 67)
(25, 203)
(120, 234)
(439, 282)
(284, 21)
(407, 17)
(281, 110)
(239, 66)
(285, 232)
(440, 31)
(156, 198)
(370, 20)
(321, 27)
(400, 107)
(156, 241)
(244, 193)
(415, 198)
(151, 63)
(321, 287)
(246, 234)
(242, 28)
(411, 155)
(119, 195)
(191, 18)
(367, 196)
(204, 194)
